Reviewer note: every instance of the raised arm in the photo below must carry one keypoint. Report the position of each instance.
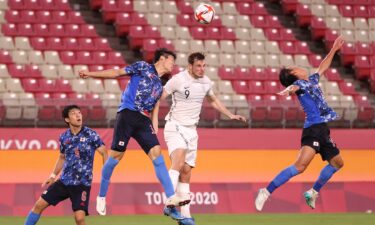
(326, 63)
(111, 73)
(290, 90)
(218, 105)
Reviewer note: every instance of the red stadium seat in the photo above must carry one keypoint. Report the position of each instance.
(348, 53)
(5, 57)
(27, 30)
(289, 6)
(199, 33)
(30, 85)
(86, 44)
(162, 43)
(245, 8)
(101, 44)
(68, 57)
(63, 86)
(84, 58)
(58, 44)
(227, 34)
(361, 11)
(288, 47)
(75, 17)
(60, 17)
(60, 30)
(362, 67)
(241, 87)
(185, 20)
(184, 7)
(318, 28)
(304, 15)
(44, 17)
(9, 29)
(69, 44)
(227, 73)
(256, 87)
(32, 71)
(16, 71)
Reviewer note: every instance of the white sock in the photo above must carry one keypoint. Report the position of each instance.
(184, 188)
(174, 174)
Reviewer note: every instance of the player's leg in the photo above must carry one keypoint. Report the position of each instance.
(121, 135)
(55, 193)
(147, 139)
(304, 158)
(34, 215)
(177, 163)
(80, 198)
(331, 153)
(79, 217)
(183, 188)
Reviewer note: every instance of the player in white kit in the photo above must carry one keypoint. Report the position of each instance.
(188, 89)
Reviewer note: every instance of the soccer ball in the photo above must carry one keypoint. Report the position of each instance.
(204, 13)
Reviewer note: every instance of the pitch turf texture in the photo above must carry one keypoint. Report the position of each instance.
(213, 219)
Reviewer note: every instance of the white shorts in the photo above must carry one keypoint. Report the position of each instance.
(182, 137)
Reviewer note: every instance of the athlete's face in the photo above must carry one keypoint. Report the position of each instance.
(74, 118)
(168, 63)
(299, 72)
(198, 68)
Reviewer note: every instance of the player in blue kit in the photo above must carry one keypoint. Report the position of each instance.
(316, 134)
(135, 118)
(78, 145)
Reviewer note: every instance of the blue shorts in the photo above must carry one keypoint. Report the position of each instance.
(136, 125)
(79, 195)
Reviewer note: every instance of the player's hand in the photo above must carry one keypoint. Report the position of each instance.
(48, 182)
(83, 74)
(284, 92)
(338, 43)
(238, 117)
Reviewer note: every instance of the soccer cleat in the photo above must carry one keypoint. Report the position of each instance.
(173, 213)
(310, 197)
(101, 206)
(262, 197)
(177, 200)
(186, 221)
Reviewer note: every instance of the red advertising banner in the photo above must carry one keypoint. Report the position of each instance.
(147, 198)
(46, 138)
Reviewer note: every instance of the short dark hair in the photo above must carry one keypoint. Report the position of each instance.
(286, 77)
(66, 110)
(195, 56)
(163, 52)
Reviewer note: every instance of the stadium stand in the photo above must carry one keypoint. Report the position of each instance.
(44, 43)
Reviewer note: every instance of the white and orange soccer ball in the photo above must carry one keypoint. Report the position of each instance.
(204, 13)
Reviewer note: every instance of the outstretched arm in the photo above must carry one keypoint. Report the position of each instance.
(58, 167)
(218, 105)
(326, 63)
(290, 90)
(111, 73)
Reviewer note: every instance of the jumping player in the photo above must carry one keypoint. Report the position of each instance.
(133, 120)
(188, 89)
(316, 134)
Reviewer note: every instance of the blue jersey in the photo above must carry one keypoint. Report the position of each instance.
(79, 151)
(312, 100)
(144, 88)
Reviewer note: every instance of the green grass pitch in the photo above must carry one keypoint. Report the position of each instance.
(212, 219)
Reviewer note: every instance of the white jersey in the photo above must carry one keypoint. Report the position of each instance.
(187, 96)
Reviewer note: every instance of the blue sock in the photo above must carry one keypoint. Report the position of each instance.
(163, 175)
(106, 175)
(324, 176)
(282, 178)
(32, 218)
